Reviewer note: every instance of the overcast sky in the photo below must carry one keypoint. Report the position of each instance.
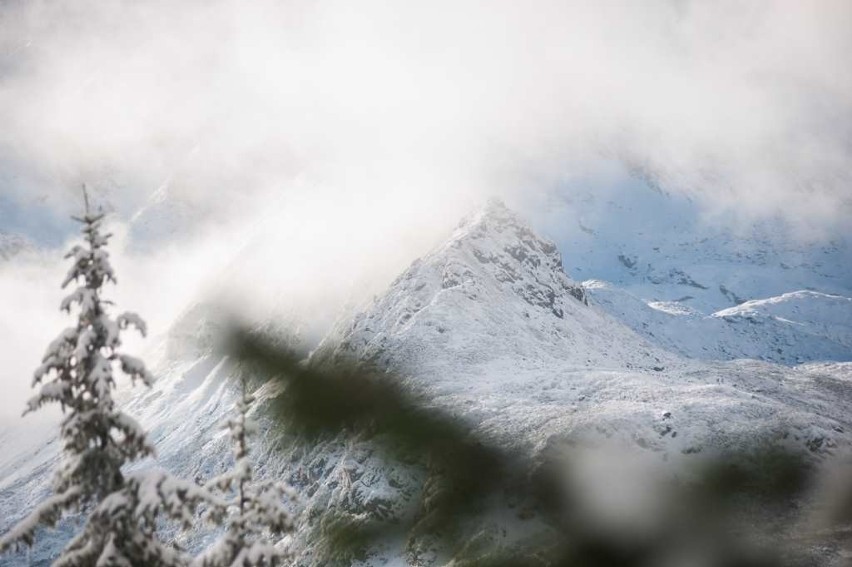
(745, 104)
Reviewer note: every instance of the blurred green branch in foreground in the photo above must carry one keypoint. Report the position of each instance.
(732, 512)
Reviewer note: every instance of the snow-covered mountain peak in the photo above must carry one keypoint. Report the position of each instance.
(494, 213)
(488, 326)
(498, 245)
(494, 289)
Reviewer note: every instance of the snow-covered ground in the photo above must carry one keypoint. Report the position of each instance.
(791, 328)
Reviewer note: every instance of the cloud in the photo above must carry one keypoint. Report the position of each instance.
(26, 328)
(746, 107)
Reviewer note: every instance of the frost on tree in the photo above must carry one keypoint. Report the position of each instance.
(256, 514)
(97, 439)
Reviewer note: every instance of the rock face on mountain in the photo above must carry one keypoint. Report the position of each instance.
(494, 290)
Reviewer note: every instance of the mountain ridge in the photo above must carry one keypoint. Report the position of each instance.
(492, 259)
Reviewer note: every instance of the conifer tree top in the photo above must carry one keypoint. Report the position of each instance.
(97, 438)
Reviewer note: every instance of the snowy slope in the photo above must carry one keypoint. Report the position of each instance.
(663, 266)
(494, 289)
(833, 312)
(162, 218)
(663, 247)
(791, 328)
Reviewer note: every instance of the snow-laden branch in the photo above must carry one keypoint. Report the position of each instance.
(257, 517)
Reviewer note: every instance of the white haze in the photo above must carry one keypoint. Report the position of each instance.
(320, 145)
(746, 105)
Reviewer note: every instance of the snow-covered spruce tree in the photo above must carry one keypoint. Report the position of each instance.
(98, 439)
(256, 514)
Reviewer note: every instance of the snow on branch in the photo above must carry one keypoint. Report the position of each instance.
(128, 319)
(256, 512)
(46, 513)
